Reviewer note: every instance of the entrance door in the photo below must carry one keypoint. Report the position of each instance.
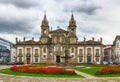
(28, 60)
(88, 59)
(58, 59)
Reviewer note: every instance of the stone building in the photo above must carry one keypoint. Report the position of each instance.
(116, 49)
(108, 53)
(52, 44)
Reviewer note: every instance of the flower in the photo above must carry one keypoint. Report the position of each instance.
(43, 70)
(108, 70)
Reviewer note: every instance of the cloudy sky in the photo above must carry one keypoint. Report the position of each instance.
(94, 18)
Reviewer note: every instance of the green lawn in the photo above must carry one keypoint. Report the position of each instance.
(8, 71)
(90, 69)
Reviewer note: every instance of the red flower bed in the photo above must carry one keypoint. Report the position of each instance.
(27, 69)
(108, 70)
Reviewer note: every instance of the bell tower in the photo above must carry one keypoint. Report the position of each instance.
(72, 30)
(45, 26)
(44, 30)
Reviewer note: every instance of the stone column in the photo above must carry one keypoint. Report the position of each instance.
(101, 57)
(24, 54)
(85, 54)
(32, 55)
(76, 54)
(40, 54)
(93, 55)
(16, 54)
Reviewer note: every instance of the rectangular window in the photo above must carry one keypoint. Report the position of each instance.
(97, 51)
(72, 50)
(20, 59)
(20, 51)
(97, 59)
(80, 59)
(36, 59)
(36, 51)
(89, 50)
(28, 50)
(80, 51)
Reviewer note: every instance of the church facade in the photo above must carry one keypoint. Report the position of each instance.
(52, 45)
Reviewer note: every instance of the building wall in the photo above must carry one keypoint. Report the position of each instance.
(117, 50)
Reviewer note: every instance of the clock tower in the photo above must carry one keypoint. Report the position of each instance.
(44, 30)
(72, 30)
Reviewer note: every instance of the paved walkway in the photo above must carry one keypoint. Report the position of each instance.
(12, 78)
(88, 78)
(85, 75)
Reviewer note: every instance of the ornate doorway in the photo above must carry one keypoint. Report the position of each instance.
(57, 59)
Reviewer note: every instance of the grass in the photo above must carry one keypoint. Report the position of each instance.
(8, 71)
(90, 70)
(38, 66)
(93, 69)
(109, 75)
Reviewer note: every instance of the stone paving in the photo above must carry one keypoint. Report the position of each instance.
(85, 75)
(88, 78)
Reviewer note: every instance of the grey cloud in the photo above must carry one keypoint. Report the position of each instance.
(83, 6)
(60, 20)
(20, 3)
(87, 9)
(15, 28)
(89, 30)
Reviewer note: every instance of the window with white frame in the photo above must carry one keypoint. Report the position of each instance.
(20, 51)
(97, 53)
(28, 50)
(80, 59)
(88, 52)
(20, 59)
(36, 59)
(36, 51)
(80, 55)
